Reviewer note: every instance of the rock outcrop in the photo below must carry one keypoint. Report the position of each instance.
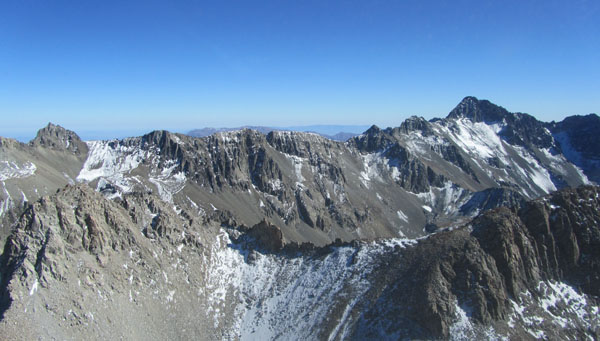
(485, 268)
(56, 137)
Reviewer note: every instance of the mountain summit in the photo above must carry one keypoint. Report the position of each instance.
(56, 137)
(478, 111)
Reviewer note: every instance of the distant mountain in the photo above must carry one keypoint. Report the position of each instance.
(204, 132)
(332, 132)
(482, 224)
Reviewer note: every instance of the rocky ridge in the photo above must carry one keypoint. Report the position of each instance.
(404, 181)
(336, 133)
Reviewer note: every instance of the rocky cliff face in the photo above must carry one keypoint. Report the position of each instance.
(494, 268)
(578, 138)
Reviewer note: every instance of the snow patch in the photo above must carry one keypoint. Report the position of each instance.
(375, 165)
(167, 182)
(478, 138)
(177, 140)
(448, 198)
(297, 164)
(402, 216)
(462, 328)
(536, 173)
(7, 203)
(109, 159)
(12, 170)
(370, 171)
(34, 287)
(169, 297)
(557, 303)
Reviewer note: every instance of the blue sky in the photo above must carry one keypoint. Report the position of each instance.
(142, 65)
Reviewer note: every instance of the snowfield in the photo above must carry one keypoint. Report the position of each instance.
(288, 298)
(13, 170)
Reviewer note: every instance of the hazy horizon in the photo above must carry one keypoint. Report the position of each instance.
(90, 135)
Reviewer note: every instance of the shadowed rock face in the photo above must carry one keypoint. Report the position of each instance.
(492, 198)
(267, 236)
(579, 140)
(482, 269)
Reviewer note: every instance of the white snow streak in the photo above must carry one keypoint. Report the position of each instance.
(12, 170)
(402, 216)
(34, 287)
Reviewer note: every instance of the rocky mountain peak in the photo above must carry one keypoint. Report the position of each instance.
(159, 138)
(56, 137)
(517, 128)
(478, 110)
(414, 123)
(374, 139)
(374, 129)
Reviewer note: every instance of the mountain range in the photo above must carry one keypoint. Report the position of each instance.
(482, 224)
(332, 132)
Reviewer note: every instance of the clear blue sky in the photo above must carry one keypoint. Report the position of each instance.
(177, 65)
